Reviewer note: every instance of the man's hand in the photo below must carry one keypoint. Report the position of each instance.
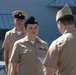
(48, 71)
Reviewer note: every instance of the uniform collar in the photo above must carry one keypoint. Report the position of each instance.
(14, 31)
(70, 30)
(37, 39)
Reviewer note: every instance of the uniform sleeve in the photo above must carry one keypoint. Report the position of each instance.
(52, 56)
(6, 41)
(15, 53)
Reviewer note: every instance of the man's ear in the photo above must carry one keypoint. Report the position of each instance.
(60, 24)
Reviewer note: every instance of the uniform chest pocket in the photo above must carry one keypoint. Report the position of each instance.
(41, 52)
(28, 54)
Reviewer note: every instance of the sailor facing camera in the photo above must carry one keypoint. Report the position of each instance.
(13, 35)
(27, 50)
